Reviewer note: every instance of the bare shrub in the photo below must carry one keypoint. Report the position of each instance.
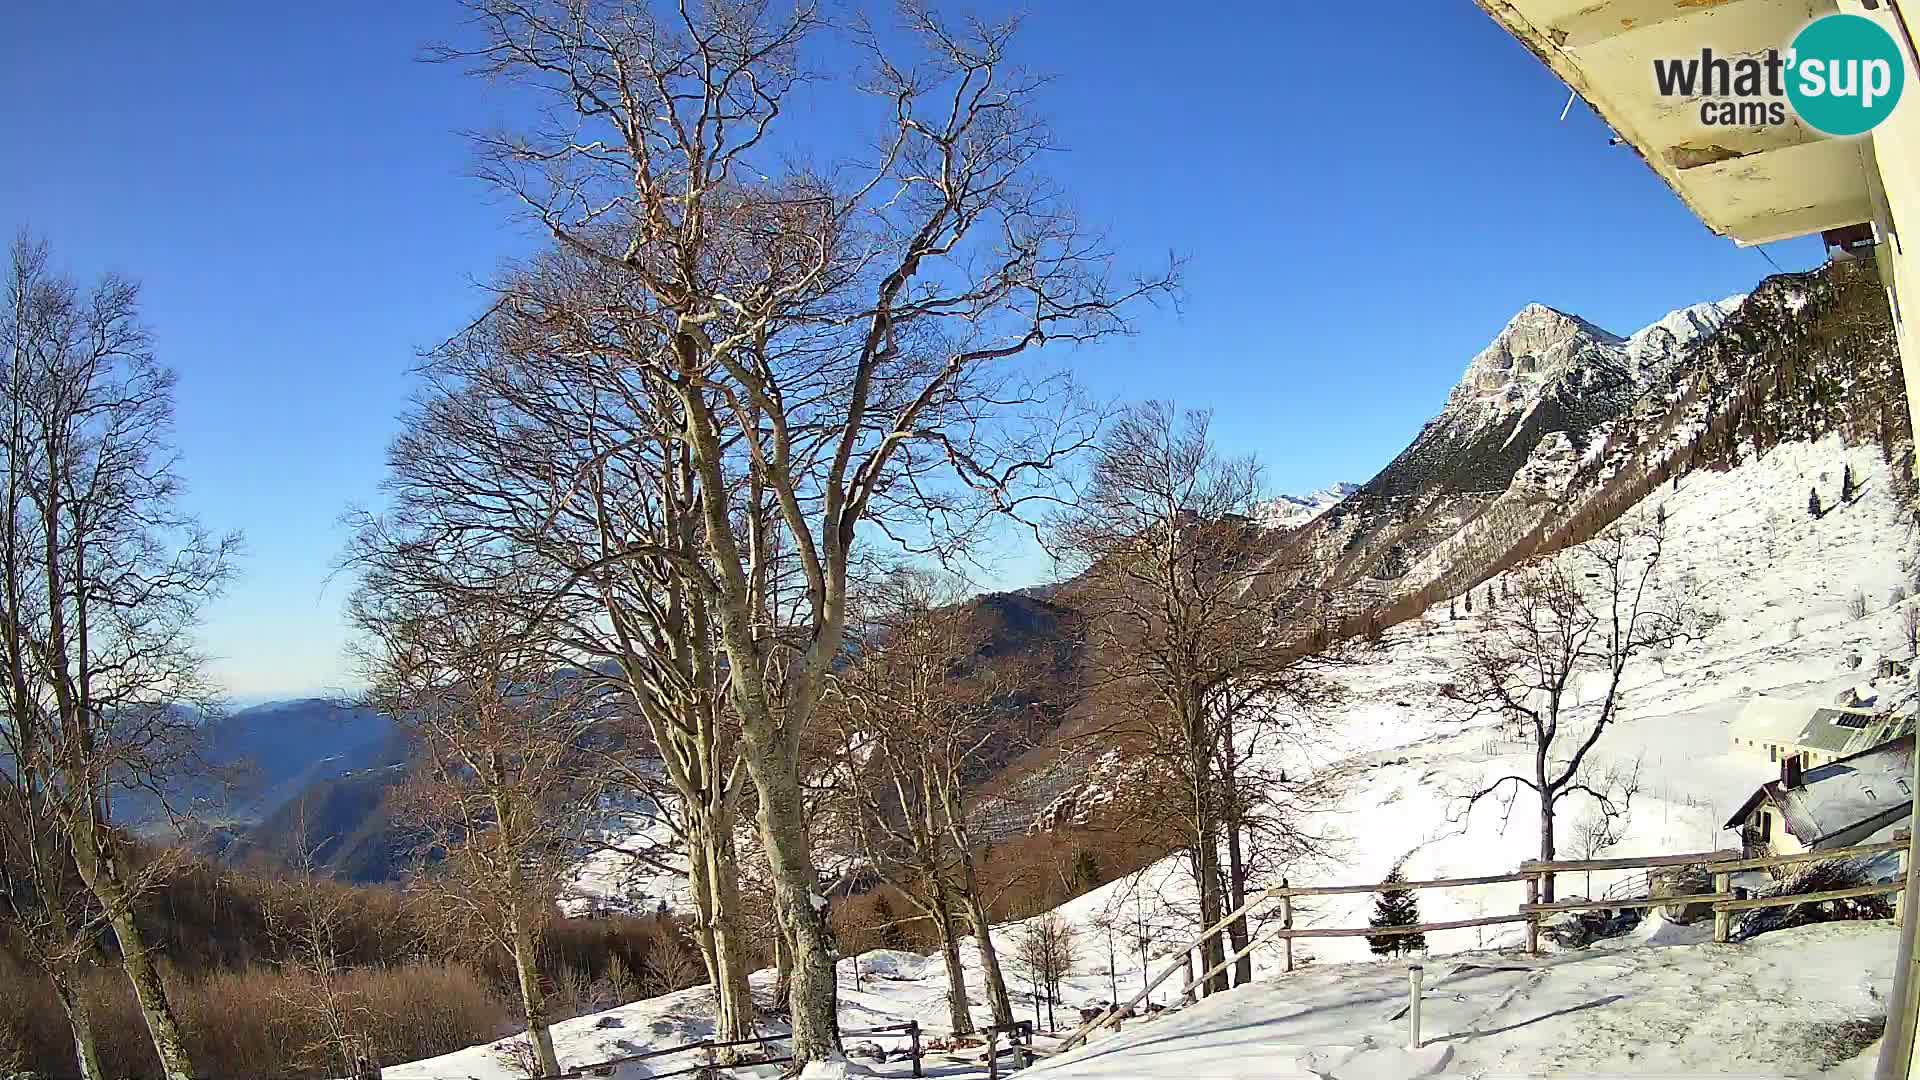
(1832, 875)
(520, 1056)
(241, 1023)
(670, 968)
(1857, 604)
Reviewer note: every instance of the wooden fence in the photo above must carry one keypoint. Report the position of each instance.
(1724, 899)
(709, 1049)
(1535, 875)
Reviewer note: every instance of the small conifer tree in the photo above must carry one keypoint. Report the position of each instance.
(1846, 483)
(1395, 907)
(1813, 503)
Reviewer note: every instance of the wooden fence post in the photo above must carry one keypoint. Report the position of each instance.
(993, 1053)
(1186, 977)
(1533, 917)
(1722, 918)
(1900, 898)
(913, 1030)
(1286, 918)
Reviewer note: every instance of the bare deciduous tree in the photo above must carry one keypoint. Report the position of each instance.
(1049, 949)
(923, 716)
(545, 387)
(1550, 661)
(506, 772)
(834, 340)
(107, 577)
(1596, 830)
(1192, 653)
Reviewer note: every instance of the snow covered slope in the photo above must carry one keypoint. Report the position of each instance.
(1782, 585)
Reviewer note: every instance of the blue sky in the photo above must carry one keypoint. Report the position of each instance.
(1364, 195)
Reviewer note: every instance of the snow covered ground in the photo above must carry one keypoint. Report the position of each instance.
(1787, 1004)
(1781, 584)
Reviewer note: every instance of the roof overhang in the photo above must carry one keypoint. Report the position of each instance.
(1752, 184)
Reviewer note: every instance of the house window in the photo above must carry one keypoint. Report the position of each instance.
(1766, 826)
(1773, 753)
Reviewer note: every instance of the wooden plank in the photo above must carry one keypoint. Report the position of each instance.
(1272, 934)
(1533, 921)
(1765, 861)
(1081, 1033)
(1391, 931)
(1722, 922)
(1809, 898)
(1630, 902)
(1715, 857)
(1442, 883)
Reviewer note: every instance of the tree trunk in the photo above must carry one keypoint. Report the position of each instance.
(782, 969)
(86, 1050)
(997, 998)
(1206, 872)
(1236, 899)
(539, 1035)
(959, 1016)
(104, 876)
(1233, 821)
(1546, 848)
(1206, 845)
(700, 886)
(730, 951)
(1547, 800)
(797, 904)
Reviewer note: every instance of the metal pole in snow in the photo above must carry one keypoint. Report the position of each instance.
(1414, 974)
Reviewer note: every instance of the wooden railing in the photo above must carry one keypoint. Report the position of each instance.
(1725, 901)
(710, 1047)
(1019, 1039)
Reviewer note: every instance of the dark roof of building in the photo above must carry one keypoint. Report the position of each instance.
(1832, 798)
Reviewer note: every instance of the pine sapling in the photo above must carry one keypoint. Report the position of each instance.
(1395, 908)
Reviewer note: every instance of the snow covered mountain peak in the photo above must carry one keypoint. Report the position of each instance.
(1653, 350)
(1293, 511)
(1541, 346)
(1536, 348)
